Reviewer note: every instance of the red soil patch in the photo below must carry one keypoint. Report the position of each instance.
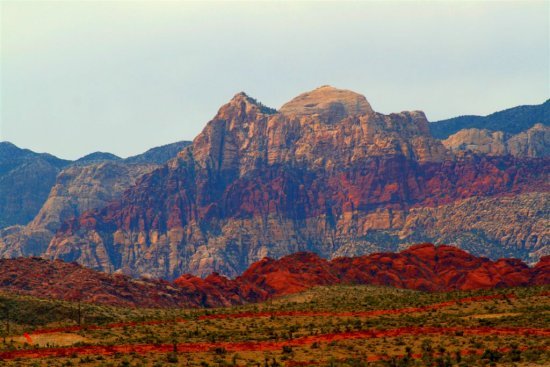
(103, 327)
(278, 314)
(397, 311)
(266, 345)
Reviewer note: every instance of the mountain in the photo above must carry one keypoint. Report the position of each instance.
(77, 188)
(159, 155)
(422, 267)
(533, 142)
(324, 173)
(96, 157)
(156, 155)
(69, 281)
(25, 181)
(88, 183)
(513, 121)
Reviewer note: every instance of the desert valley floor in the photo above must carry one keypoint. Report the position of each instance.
(323, 326)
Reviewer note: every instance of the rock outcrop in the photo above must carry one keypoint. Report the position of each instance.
(69, 281)
(77, 189)
(88, 183)
(329, 104)
(534, 142)
(325, 173)
(26, 177)
(422, 267)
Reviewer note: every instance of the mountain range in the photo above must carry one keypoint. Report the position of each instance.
(48, 190)
(325, 173)
(513, 121)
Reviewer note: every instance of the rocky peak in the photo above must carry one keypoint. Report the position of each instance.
(242, 107)
(222, 141)
(331, 104)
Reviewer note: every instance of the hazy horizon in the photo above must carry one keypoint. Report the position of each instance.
(123, 77)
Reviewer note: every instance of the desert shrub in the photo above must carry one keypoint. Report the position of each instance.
(491, 355)
(172, 358)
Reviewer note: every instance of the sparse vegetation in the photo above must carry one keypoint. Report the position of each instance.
(326, 326)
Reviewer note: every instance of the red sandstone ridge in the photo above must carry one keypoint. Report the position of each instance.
(422, 267)
(70, 281)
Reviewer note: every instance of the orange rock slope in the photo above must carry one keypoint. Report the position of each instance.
(422, 267)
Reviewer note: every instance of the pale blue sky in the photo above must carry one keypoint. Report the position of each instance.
(125, 76)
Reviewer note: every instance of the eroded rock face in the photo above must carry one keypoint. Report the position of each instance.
(425, 267)
(78, 188)
(257, 182)
(88, 183)
(534, 142)
(502, 226)
(422, 267)
(329, 104)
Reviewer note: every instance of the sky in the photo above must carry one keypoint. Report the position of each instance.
(84, 76)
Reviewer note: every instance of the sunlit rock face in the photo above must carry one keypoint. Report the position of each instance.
(325, 173)
(534, 142)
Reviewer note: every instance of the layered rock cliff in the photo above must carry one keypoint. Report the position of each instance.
(77, 189)
(87, 183)
(26, 177)
(534, 142)
(325, 173)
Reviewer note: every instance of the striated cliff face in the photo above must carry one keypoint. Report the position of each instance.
(77, 189)
(81, 188)
(498, 226)
(534, 142)
(87, 183)
(325, 173)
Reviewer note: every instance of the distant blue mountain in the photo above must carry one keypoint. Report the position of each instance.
(512, 120)
(26, 177)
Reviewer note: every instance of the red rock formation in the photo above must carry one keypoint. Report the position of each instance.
(324, 173)
(70, 281)
(422, 267)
